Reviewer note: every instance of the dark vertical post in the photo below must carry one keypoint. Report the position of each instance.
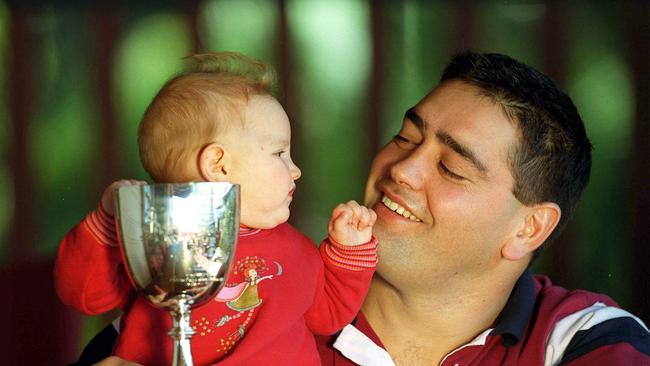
(554, 43)
(283, 55)
(22, 237)
(191, 11)
(105, 33)
(104, 23)
(637, 20)
(464, 25)
(560, 257)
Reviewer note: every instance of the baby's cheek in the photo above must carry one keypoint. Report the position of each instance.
(282, 180)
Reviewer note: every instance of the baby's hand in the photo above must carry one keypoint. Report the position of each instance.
(351, 224)
(107, 196)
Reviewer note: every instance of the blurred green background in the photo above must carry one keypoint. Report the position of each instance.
(76, 76)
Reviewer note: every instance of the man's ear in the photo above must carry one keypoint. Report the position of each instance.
(214, 163)
(539, 223)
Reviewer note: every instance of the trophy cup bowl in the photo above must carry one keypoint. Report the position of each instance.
(177, 242)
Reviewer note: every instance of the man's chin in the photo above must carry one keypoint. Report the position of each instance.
(384, 232)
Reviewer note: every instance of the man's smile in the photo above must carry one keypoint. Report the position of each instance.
(397, 208)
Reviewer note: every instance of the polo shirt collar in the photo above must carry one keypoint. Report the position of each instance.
(511, 322)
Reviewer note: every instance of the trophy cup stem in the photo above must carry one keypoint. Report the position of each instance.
(181, 333)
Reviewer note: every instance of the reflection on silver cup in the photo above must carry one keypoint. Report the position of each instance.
(177, 242)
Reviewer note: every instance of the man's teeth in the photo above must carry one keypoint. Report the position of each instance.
(399, 209)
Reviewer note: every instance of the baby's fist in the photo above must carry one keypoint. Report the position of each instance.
(107, 196)
(351, 224)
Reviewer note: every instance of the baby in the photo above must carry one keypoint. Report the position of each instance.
(218, 122)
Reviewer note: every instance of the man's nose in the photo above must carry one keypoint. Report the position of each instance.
(410, 171)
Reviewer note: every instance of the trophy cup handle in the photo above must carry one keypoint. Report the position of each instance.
(181, 332)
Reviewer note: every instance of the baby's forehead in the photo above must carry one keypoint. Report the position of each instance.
(265, 112)
(260, 130)
(261, 137)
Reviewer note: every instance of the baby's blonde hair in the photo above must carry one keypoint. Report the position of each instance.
(194, 107)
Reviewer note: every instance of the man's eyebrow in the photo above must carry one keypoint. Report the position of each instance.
(462, 150)
(414, 117)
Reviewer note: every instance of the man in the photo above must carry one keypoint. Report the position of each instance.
(485, 170)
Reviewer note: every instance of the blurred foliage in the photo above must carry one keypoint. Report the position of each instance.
(600, 84)
(151, 51)
(246, 26)
(511, 29)
(330, 71)
(62, 121)
(415, 47)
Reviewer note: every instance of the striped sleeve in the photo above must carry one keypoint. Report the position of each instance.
(355, 258)
(576, 339)
(102, 226)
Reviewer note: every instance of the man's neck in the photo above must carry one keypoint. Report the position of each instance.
(423, 327)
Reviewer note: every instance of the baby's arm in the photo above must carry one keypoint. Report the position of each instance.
(107, 197)
(88, 273)
(349, 259)
(351, 224)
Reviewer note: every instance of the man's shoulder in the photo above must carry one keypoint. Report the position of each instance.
(560, 300)
(577, 323)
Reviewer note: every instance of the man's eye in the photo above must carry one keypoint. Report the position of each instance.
(449, 173)
(402, 142)
(280, 153)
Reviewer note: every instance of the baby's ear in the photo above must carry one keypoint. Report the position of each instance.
(214, 163)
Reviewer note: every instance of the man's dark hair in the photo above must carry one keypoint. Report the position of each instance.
(552, 160)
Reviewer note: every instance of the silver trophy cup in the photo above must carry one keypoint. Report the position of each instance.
(177, 243)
